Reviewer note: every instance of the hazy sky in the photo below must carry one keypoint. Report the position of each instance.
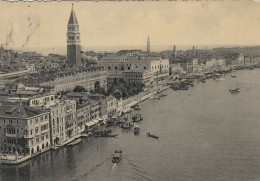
(129, 23)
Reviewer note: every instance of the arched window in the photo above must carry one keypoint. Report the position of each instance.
(144, 67)
(116, 68)
(109, 68)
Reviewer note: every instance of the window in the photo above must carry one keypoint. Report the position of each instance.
(115, 67)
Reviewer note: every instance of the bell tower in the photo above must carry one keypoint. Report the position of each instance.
(73, 40)
(148, 45)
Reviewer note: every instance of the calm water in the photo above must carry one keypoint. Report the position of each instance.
(205, 134)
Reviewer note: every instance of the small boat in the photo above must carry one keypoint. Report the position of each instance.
(136, 129)
(117, 156)
(234, 91)
(203, 80)
(74, 142)
(137, 106)
(184, 87)
(126, 125)
(233, 76)
(162, 95)
(137, 118)
(109, 135)
(106, 131)
(85, 135)
(151, 135)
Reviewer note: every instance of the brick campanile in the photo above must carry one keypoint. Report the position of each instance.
(73, 41)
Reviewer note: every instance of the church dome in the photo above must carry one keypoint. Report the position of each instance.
(84, 57)
(93, 60)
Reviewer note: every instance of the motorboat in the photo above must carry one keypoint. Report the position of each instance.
(152, 135)
(117, 156)
(136, 129)
(74, 142)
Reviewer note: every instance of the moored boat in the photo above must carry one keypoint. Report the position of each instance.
(137, 106)
(126, 125)
(74, 142)
(107, 135)
(137, 118)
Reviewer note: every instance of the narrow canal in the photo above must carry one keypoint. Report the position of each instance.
(205, 134)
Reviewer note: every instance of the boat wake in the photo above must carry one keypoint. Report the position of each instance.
(139, 173)
(220, 79)
(114, 167)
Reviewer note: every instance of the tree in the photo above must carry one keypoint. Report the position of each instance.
(79, 89)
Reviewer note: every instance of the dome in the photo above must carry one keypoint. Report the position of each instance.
(84, 57)
(93, 60)
(88, 57)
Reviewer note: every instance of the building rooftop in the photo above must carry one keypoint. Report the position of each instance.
(19, 111)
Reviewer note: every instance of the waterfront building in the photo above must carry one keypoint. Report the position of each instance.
(64, 125)
(41, 100)
(24, 131)
(157, 66)
(89, 79)
(73, 41)
(83, 115)
(111, 106)
(137, 77)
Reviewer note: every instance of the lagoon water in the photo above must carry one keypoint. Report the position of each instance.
(205, 134)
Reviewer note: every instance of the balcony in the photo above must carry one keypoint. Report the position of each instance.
(28, 136)
(10, 135)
